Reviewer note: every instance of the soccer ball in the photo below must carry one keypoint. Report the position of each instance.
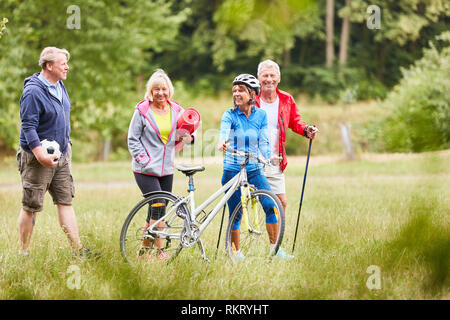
(52, 147)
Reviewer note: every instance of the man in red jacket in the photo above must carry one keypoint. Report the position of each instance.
(282, 113)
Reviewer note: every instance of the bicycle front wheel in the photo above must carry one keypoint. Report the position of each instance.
(257, 231)
(139, 243)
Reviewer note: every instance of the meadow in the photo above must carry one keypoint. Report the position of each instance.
(373, 228)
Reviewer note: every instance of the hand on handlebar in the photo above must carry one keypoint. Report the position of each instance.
(275, 160)
(222, 145)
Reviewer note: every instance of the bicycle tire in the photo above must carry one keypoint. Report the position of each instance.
(133, 233)
(255, 242)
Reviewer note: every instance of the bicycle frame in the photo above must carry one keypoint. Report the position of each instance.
(238, 180)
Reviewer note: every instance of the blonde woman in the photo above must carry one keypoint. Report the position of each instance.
(151, 142)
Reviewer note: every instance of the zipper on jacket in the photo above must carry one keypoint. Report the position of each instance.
(63, 111)
(281, 133)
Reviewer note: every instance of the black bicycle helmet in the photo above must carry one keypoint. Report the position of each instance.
(250, 81)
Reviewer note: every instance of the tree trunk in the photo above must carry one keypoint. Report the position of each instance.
(286, 58)
(106, 149)
(303, 47)
(382, 59)
(329, 26)
(345, 36)
(140, 82)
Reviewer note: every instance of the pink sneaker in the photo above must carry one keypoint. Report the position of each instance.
(143, 254)
(163, 256)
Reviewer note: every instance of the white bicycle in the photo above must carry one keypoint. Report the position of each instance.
(184, 223)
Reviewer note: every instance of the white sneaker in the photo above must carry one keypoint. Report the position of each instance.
(240, 255)
(24, 253)
(281, 254)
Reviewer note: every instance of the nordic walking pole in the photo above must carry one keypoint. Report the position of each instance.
(301, 198)
(220, 232)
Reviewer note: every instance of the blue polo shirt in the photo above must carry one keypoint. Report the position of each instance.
(245, 134)
(55, 91)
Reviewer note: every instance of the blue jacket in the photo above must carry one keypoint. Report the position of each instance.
(245, 135)
(43, 116)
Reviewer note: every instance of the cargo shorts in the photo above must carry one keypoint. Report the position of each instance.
(36, 180)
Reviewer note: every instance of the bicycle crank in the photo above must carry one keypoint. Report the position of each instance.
(189, 236)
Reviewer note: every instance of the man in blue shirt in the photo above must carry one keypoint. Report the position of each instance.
(45, 115)
(55, 90)
(245, 127)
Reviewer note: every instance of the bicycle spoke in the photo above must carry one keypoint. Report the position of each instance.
(139, 242)
(261, 228)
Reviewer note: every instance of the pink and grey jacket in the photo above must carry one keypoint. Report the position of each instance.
(149, 154)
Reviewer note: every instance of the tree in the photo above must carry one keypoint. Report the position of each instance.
(345, 34)
(402, 23)
(418, 110)
(3, 23)
(259, 28)
(329, 27)
(113, 45)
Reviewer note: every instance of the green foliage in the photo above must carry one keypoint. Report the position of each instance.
(419, 107)
(331, 83)
(202, 45)
(3, 23)
(403, 21)
(111, 48)
(261, 28)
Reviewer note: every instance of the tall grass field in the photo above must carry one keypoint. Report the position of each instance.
(373, 228)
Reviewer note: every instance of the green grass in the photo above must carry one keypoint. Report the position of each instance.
(391, 212)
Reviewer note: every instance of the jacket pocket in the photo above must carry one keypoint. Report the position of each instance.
(143, 160)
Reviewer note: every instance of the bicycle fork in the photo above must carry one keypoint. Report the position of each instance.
(245, 197)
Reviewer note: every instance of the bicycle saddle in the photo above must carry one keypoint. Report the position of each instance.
(189, 170)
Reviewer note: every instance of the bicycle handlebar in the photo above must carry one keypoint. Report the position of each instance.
(248, 155)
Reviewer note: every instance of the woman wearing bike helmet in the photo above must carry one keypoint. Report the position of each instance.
(244, 128)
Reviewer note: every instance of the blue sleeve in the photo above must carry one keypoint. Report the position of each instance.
(29, 116)
(263, 141)
(225, 126)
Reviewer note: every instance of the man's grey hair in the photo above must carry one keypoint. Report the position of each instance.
(49, 54)
(158, 77)
(268, 64)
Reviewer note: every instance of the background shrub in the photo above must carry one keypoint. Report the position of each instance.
(418, 108)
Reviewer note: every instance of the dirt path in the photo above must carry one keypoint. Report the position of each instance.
(315, 161)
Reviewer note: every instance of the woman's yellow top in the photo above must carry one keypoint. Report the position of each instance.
(164, 123)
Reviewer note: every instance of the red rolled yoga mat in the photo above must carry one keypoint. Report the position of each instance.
(188, 122)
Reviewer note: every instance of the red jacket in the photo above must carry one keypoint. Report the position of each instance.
(288, 117)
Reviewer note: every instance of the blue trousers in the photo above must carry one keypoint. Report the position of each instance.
(257, 178)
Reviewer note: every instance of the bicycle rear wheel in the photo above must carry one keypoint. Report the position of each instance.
(137, 243)
(248, 235)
